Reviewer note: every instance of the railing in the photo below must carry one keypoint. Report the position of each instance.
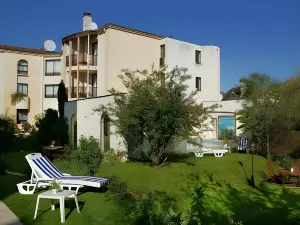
(22, 72)
(52, 73)
(82, 59)
(82, 92)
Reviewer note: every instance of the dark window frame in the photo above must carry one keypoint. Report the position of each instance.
(21, 71)
(22, 84)
(163, 51)
(198, 83)
(53, 73)
(21, 121)
(54, 95)
(198, 57)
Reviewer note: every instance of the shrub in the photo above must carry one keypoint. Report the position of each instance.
(88, 155)
(27, 127)
(156, 114)
(147, 212)
(7, 130)
(283, 161)
(2, 166)
(51, 127)
(117, 188)
(28, 143)
(295, 154)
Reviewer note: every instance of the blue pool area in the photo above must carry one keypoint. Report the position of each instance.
(212, 142)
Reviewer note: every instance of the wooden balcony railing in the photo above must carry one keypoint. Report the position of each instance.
(82, 92)
(82, 59)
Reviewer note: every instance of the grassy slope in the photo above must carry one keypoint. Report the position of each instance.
(226, 193)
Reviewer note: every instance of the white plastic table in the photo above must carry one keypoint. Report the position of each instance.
(59, 196)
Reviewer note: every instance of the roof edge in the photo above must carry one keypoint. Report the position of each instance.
(11, 48)
(102, 30)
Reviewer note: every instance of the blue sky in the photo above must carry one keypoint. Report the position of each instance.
(254, 36)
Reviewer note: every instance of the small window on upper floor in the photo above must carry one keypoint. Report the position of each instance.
(198, 83)
(51, 91)
(52, 68)
(162, 56)
(162, 51)
(22, 88)
(22, 67)
(198, 57)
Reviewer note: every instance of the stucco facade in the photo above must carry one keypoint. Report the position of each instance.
(120, 48)
(23, 70)
(225, 109)
(91, 123)
(90, 63)
(182, 54)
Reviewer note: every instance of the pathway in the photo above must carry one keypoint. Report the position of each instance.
(7, 217)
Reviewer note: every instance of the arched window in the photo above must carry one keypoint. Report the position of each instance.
(23, 67)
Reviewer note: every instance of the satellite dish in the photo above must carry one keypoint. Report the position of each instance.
(49, 45)
(94, 26)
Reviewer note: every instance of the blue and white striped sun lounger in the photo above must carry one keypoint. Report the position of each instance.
(43, 172)
(243, 143)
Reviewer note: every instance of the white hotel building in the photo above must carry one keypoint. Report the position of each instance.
(90, 63)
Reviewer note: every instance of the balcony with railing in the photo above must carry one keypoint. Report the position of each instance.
(84, 92)
(23, 103)
(81, 59)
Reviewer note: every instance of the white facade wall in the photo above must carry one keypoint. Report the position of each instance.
(102, 65)
(51, 80)
(89, 122)
(182, 54)
(226, 108)
(70, 110)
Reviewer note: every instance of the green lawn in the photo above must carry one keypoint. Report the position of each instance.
(226, 193)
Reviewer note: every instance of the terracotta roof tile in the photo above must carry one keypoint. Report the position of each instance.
(29, 50)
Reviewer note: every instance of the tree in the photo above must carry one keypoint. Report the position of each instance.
(262, 118)
(291, 103)
(51, 127)
(62, 98)
(7, 130)
(157, 113)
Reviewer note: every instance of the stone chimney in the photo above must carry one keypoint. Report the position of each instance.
(87, 21)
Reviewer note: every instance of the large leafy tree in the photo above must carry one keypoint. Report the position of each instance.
(262, 116)
(157, 112)
(291, 104)
(62, 98)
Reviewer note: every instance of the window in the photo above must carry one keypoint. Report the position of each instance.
(198, 83)
(22, 88)
(22, 115)
(23, 67)
(198, 57)
(51, 91)
(162, 56)
(106, 125)
(226, 123)
(52, 67)
(162, 51)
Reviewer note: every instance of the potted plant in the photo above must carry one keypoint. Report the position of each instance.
(55, 187)
(52, 143)
(17, 97)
